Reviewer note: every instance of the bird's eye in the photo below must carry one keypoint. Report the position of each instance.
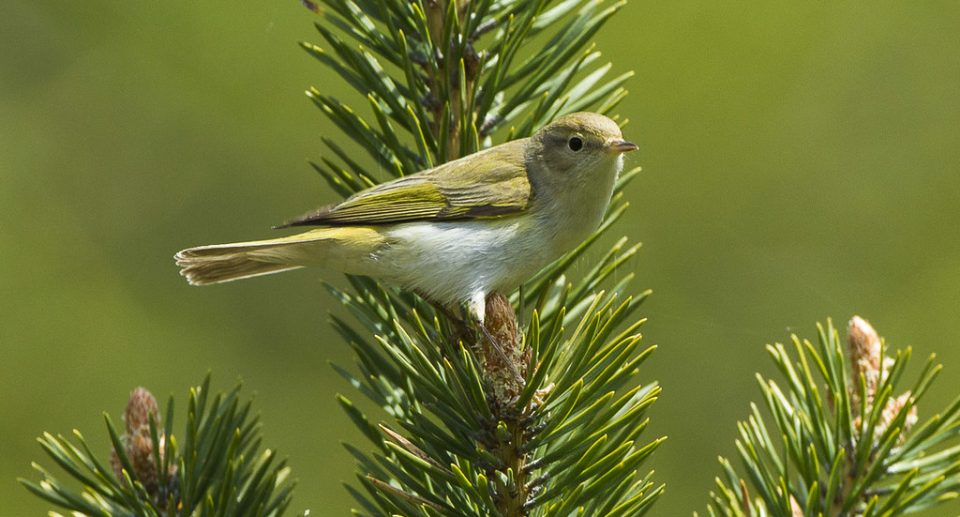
(575, 143)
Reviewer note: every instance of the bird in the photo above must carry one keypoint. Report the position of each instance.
(454, 233)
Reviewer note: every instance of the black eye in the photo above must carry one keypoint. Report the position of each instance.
(575, 143)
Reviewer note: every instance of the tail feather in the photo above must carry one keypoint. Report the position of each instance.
(218, 263)
(215, 270)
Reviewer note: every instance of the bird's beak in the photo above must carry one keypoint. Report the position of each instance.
(621, 146)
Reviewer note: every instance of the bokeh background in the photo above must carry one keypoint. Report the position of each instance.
(802, 160)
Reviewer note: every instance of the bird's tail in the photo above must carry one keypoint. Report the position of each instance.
(345, 249)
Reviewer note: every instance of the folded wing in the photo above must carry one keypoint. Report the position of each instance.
(490, 183)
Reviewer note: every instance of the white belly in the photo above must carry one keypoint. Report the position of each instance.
(452, 261)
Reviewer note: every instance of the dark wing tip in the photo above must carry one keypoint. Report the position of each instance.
(311, 218)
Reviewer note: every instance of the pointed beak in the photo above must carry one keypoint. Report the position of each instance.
(621, 146)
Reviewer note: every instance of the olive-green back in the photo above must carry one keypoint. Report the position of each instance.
(489, 183)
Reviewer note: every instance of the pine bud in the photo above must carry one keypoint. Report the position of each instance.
(892, 409)
(866, 359)
(501, 320)
(115, 459)
(504, 361)
(138, 445)
(141, 406)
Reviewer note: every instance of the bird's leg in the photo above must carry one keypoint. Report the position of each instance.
(500, 352)
(497, 322)
(503, 360)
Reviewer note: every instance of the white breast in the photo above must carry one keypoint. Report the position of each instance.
(452, 261)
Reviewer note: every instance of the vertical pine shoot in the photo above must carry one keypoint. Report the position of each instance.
(552, 424)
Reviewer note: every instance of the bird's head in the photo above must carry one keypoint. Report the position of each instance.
(577, 145)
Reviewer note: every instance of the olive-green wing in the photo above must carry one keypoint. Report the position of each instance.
(486, 184)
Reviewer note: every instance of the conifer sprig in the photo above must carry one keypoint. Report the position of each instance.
(846, 435)
(217, 468)
(440, 78)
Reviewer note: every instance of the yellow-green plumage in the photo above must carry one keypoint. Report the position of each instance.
(492, 182)
(336, 248)
(458, 231)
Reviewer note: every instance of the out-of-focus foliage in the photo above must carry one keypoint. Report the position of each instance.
(214, 468)
(847, 435)
(799, 159)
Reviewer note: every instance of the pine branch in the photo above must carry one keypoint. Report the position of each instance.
(216, 470)
(843, 437)
(550, 421)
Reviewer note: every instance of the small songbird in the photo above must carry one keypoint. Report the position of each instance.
(454, 233)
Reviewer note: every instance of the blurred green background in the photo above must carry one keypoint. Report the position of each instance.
(802, 160)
